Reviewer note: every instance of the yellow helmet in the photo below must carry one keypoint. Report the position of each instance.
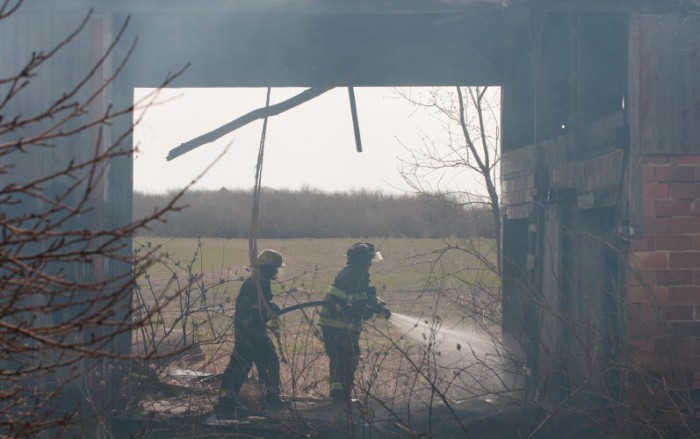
(270, 257)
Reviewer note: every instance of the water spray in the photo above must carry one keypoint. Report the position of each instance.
(472, 353)
(455, 344)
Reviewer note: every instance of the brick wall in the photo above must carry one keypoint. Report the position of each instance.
(663, 284)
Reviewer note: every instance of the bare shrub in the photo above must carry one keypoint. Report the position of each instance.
(66, 268)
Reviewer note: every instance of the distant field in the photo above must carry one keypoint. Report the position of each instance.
(313, 262)
(418, 277)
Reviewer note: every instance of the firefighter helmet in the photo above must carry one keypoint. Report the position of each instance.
(363, 252)
(269, 257)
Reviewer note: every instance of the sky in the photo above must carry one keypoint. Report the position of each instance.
(311, 145)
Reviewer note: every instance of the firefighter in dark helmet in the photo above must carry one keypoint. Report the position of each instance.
(349, 301)
(252, 344)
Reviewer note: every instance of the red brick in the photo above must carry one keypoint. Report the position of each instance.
(640, 278)
(642, 346)
(683, 173)
(696, 208)
(673, 207)
(677, 242)
(684, 294)
(655, 225)
(654, 363)
(674, 346)
(657, 159)
(647, 172)
(638, 294)
(641, 320)
(682, 191)
(647, 295)
(684, 260)
(677, 312)
(684, 328)
(666, 173)
(688, 159)
(646, 243)
(649, 207)
(651, 259)
(646, 314)
(690, 363)
(656, 191)
(688, 224)
(674, 277)
(642, 313)
(637, 245)
(649, 240)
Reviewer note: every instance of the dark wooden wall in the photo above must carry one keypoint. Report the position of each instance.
(669, 51)
(301, 49)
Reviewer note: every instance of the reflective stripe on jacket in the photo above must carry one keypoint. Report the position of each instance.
(337, 292)
(339, 315)
(348, 300)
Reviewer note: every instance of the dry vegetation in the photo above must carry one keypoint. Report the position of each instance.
(445, 315)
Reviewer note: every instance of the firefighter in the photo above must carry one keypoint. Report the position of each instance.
(252, 344)
(349, 301)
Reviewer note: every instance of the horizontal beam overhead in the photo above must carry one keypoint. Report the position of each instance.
(271, 6)
(259, 50)
(363, 6)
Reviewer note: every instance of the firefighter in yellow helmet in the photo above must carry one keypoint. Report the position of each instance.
(252, 344)
(349, 301)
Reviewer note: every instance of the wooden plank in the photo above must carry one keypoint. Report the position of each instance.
(634, 120)
(669, 87)
(689, 50)
(665, 59)
(606, 6)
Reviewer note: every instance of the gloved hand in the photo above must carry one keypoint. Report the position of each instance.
(274, 325)
(274, 308)
(386, 312)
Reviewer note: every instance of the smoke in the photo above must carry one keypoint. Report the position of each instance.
(474, 357)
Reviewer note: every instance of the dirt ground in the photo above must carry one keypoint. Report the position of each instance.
(180, 405)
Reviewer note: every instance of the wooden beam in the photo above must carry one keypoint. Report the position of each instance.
(247, 118)
(269, 6)
(609, 6)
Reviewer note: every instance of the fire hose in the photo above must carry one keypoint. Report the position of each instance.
(300, 306)
(386, 312)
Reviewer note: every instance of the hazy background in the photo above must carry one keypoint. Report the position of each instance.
(311, 145)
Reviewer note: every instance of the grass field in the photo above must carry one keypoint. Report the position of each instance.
(409, 264)
(418, 278)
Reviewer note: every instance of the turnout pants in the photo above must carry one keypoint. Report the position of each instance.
(343, 350)
(252, 348)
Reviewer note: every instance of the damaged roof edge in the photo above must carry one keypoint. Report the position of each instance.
(332, 7)
(271, 6)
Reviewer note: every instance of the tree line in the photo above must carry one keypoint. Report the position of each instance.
(311, 213)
